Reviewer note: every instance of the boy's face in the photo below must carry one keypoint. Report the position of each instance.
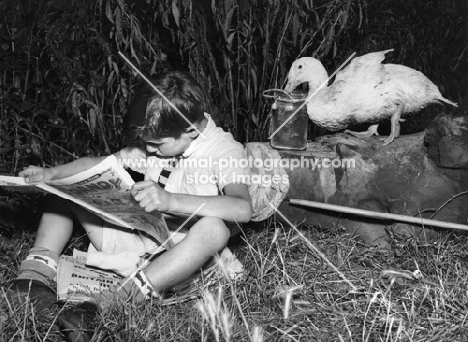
(169, 147)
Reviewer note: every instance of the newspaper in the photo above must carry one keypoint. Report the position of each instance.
(105, 191)
(76, 281)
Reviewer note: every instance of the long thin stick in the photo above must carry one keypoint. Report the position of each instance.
(447, 202)
(378, 215)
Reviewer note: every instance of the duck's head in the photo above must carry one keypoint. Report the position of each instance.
(306, 69)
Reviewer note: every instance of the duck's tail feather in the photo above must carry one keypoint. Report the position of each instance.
(443, 99)
(387, 51)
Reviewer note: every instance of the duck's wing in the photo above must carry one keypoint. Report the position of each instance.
(364, 67)
(361, 94)
(373, 58)
(364, 77)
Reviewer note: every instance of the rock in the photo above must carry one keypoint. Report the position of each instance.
(415, 175)
(447, 141)
(372, 232)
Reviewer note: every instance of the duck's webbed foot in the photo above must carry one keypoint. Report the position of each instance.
(372, 130)
(388, 140)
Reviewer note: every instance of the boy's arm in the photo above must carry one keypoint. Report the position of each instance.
(133, 158)
(234, 206)
(39, 174)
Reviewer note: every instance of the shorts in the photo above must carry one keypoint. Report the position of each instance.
(116, 239)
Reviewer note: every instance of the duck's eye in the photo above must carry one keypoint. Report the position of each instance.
(300, 67)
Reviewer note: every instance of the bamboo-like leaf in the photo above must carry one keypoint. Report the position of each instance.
(253, 74)
(255, 120)
(176, 12)
(165, 18)
(109, 12)
(124, 88)
(214, 8)
(110, 79)
(92, 120)
(411, 38)
(230, 38)
(75, 104)
(118, 24)
(227, 31)
(228, 4)
(116, 68)
(296, 26)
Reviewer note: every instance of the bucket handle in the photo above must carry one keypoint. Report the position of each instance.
(265, 93)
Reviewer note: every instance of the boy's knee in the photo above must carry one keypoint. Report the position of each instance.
(213, 230)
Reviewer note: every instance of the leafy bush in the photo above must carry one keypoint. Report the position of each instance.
(64, 89)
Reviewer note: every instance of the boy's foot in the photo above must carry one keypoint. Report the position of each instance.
(19, 290)
(78, 321)
(114, 295)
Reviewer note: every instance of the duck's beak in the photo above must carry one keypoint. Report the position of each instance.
(291, 84)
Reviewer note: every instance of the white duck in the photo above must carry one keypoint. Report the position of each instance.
(364, 91)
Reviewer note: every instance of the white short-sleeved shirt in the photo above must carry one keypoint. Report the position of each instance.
(216, 158)
(213, 160)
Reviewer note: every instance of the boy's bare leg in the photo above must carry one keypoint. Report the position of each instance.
(92, 224)
(207, 237)
(55, 228)
(54, 231)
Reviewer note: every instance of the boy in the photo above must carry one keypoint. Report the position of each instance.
(178, 191)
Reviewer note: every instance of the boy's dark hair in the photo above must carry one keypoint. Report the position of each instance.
(150, 115)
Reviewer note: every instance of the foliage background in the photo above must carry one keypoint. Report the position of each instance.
(64, 89)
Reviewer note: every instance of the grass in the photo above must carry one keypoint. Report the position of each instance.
(289, 294)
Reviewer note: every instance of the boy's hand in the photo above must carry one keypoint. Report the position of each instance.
(37, 174)
(151, 196)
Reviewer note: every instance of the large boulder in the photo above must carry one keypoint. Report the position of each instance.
(416, 175)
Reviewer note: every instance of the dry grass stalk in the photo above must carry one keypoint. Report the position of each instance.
(319, 307)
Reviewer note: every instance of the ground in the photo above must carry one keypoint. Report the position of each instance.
(412, 292)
